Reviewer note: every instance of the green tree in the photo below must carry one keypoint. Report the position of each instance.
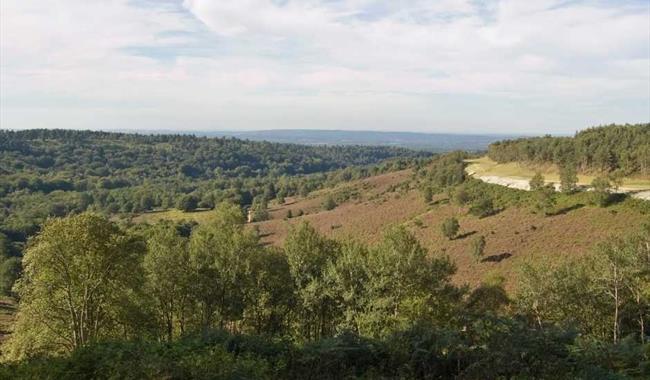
(450, 228)
(270, 296)
(78, 274)
(461, 195)
(427, 193)
(600, 191)
(478, 247)
(188, 203)
(482, 207)
(537, 182)
(10, 271)
(568, 178)
(168, 278)
(405, 286)
(545, 199)
(309, 254)
(259, 209)
(219, 257)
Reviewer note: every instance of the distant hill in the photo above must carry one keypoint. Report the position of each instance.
(434, 142)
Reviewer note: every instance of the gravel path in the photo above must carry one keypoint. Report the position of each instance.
(523, 184)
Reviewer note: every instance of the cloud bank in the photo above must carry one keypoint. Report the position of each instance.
(462, 66)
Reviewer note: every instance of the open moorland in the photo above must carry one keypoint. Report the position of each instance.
(515, 236)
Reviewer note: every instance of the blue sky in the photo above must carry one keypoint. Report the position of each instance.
(463, 66)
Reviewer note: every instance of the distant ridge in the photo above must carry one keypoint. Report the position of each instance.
(435, 142)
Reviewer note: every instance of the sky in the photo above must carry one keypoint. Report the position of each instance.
(459, 66)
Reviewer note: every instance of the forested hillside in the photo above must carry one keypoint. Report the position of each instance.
(624, 148)
(55, 172)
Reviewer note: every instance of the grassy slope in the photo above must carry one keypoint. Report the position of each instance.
(485, 167)
(514, 236)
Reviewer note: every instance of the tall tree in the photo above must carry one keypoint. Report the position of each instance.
(568, 177)
(79, 272)
(309, 254)
(168, 277)
(219, 255)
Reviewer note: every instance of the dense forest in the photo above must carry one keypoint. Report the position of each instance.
(56, 172)
(101, 301)
(624, 148)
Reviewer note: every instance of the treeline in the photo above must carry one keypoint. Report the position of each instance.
(102, 301)
(624, 148)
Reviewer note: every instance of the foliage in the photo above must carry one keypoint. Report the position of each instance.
(214, 303)
(545, 199)
(478, 247)
(537, 182)
(329, 203)
(568, 178)
(259, 209)
(450, 228)
(600, 191)
(601, 149)
(78, 276)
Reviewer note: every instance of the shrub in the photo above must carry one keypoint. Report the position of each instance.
(478, 247)
(450, 228)
(329, 203)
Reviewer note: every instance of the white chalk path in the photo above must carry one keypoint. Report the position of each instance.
(523, 184)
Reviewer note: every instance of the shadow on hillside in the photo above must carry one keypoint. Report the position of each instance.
(615, 198)
(567, 210)
(496, 258)
(466, 234)
(441, 201)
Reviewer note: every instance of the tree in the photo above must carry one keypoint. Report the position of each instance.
(450, 228)
(329, 203)
(545, 199)
(79, 272)
(270, 297)
(427, 193)
(168, 278)
(219, 257)
(404, 286)
(188, 203)
(568, 178)
(259, 209)
(10, 270)
(478, 247)
(537, 182)
(600, 191)
(482, 207)
(309, 254)
(461, 196)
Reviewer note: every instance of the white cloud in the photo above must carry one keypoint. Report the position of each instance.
(447, 65)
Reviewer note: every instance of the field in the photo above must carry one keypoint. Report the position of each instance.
(486, 167)
(514, 236)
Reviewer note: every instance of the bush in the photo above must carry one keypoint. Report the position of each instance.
(10, 270)
(450, 228)
(478, 247)
(482, 207)
(329, 203)
(188, 203)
